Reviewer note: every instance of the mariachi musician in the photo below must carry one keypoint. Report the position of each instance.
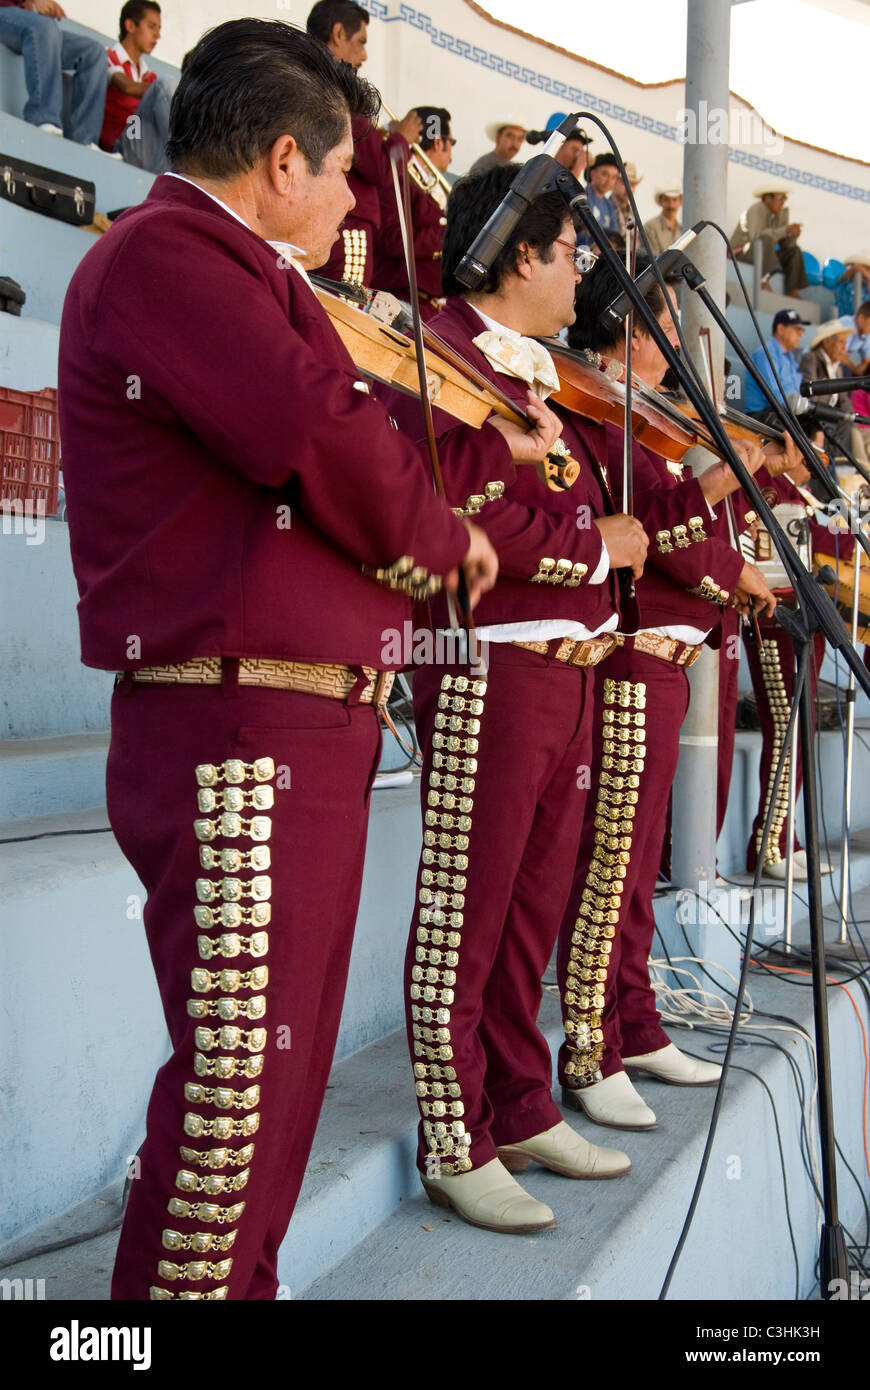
(772, 666)
(428, 215)
(220, 558)
(343, 26)
(692, 574)
(502, 800)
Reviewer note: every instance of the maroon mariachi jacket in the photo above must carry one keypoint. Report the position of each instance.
(688, 564)
(226, 481)
(369, 175)
(532, 528)
(429, 222)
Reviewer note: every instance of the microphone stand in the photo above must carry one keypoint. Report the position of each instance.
(816, 611)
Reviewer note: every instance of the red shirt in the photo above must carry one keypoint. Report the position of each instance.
(118, 105)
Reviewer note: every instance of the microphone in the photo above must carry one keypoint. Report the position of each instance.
(830, 413)
(832, 386)
(526, 187)
(617, 309)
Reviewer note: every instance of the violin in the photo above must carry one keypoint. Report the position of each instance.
(659, 421)
(589, 392)
(384, 353)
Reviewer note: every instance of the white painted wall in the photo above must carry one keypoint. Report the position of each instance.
(453, 55)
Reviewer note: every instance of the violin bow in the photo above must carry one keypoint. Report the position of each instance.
(398, 160)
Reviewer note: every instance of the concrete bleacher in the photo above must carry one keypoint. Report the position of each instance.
(76, 1088)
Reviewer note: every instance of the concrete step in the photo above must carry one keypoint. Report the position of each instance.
(42, 255)
(363, 1229)
(51, 776)
(744, 793)
(117, 185)
(72, 922)
(815, 298)
(28, 353)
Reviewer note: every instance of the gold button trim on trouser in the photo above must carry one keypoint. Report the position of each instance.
(623, 751)
(780, 708)
(224, 790)
(156, 1294)
(441, 902)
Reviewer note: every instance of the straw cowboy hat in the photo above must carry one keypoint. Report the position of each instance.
(667, 193)
(634, 177)
(830, 330)
(493, 127)
(773, 187)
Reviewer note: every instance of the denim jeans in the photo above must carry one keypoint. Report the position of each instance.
(48, 49)
(143, 139)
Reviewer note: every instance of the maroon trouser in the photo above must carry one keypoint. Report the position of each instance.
(253, 871)
(729, 666)
(504, 783)
(608, 1003)
(773, 673)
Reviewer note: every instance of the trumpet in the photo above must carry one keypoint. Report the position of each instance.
(437, 176)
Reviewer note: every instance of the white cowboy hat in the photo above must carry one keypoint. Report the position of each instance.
(668, 193)
(830, 330)
(493, 128)
(859, 258)
(772, 187)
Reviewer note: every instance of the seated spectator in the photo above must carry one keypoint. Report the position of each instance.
(136, 119)
(601, 177)
(664, 229)
(32, 28)
(828, 357)
(767, 220)
(858, 345)
(786, 333)
(859, 264)
(620, 197)
(507, 136)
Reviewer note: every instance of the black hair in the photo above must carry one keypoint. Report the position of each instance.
(863, 309)
(249, 81)
(135, 10)
(327, 13)
(595, 291)
(472, 202)
(436, 125)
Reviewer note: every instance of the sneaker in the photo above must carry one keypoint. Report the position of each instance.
(50, 129)
(99, 149)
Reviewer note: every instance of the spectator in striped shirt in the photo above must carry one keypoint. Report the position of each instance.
(136, 120)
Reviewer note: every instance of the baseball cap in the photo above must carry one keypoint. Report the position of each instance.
(789, 316)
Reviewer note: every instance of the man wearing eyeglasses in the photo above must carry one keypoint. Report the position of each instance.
(506, 750)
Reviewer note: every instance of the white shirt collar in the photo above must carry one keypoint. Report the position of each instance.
(493, 324)
(123, 56)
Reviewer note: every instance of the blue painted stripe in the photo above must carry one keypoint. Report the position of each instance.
(542, 82)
